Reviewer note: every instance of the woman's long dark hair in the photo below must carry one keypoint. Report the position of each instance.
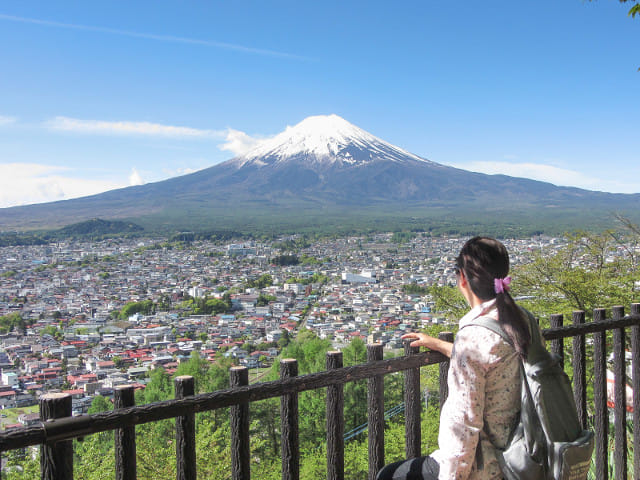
(484, 259)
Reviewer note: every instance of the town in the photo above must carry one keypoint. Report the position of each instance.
(90, 316)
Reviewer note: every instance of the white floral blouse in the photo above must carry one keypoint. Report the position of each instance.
(483, 401)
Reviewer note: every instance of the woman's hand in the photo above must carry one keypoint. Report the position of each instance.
(423, 340)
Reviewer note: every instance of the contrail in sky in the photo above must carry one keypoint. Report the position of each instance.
(151, 36)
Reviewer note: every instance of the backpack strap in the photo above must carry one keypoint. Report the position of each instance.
(493, 325)
(536, 346)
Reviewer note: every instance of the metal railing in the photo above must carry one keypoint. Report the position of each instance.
(57, 429)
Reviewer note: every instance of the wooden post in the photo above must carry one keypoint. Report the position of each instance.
(289, 423)
(335, 422)
(444, 369)
(125, 437)
(580, 370)
(186, 468)
(601, 420)
(557, 344)
(56, 459)
(635, 379)
(240, 451)
(412, 405)
(375, 401)
(620, 405)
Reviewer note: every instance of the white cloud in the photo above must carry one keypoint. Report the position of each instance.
(103, 127)
(135, 178)
(551, 174)
(236, 141)
(4, 120)
(179, 171)
(239, 142)
(26, 183)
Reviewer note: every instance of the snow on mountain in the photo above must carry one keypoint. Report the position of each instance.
(325, 139)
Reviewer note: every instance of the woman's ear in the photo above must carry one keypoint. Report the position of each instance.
(463, 286)
(462, 280)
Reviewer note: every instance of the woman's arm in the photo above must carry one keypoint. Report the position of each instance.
(424, 340)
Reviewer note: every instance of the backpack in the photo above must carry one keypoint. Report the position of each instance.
(548, 441)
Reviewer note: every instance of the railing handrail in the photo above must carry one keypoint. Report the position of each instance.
(67, 428)
(590, 327)
(53, 431)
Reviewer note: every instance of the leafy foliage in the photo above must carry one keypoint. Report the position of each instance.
(589, 272)
(99, 227)
(13, 321)
(449, 301)
(414, 288)
(146, 307)
(265, 280)
(284, 260)
(208, 306)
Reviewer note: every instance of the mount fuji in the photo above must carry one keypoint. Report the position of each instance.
(326, 171)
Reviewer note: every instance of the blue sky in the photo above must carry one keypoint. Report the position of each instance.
(99, 95)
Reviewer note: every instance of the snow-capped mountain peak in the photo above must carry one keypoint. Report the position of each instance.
(325, 139)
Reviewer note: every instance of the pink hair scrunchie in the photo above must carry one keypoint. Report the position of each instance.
(501, 285)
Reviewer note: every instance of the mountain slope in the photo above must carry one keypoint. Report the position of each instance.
(324, 169)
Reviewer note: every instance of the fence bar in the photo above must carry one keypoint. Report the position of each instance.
(335, 422)
(620, 405)
(56, 459)
(72, 427)
(412, 404)
(580, 370)
(375, 400)
(185, 432)
(125, 437)
(600, 420)
(289, 423)
(635, 383)
(240, 447)
(444, 369)
(557, 344)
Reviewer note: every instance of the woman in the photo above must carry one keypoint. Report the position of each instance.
(484, 375)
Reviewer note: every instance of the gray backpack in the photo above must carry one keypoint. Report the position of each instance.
(548, 441)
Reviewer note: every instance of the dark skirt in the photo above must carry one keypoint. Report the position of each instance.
(421, 468)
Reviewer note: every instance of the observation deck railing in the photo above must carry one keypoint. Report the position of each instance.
(57, 429)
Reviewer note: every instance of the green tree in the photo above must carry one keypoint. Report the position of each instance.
(310, 351)
(355, 393)
(265, 280)
(264, 300)
(159, 387)
(414, 288)
(196, 367)
(13, 321)
(587, 273)
(449, 301)
(284, 339)
(117, 361)
(634, 10)
(284, 260)
(54, 331)
(217, 306)
(100, 404)
(146, 307)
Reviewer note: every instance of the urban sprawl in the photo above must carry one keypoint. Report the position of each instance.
(71, 296)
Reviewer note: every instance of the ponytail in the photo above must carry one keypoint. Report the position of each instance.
(514, 322)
